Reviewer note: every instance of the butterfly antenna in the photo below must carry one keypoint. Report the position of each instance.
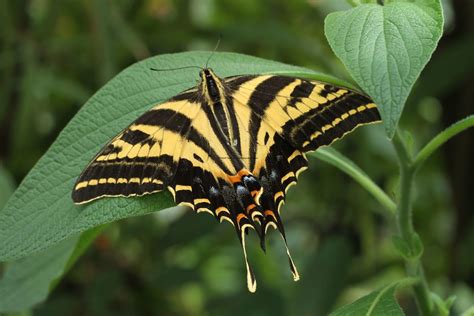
(212, 54)
(178, 68)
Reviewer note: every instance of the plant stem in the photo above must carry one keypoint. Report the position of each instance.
(406, 230)
(353, 3)
(405, 224)
(340, 161)
(356, 3)
(441, 138)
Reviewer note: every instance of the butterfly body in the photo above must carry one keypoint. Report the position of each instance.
(230, 147)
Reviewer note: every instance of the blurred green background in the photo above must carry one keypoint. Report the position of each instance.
(56, 54)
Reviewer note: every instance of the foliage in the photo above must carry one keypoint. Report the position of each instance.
(381, 302)
(174, 264)
(385, 47)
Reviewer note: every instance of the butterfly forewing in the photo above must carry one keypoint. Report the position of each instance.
(140, 160)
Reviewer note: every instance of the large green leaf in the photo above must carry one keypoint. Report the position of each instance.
(381, 302)
(385, 48)
(41, 213)
(26, 282)
(7, 185)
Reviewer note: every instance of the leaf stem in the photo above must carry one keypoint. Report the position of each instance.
(356, 3)
(442, 138)
(353, 3)
(335, 158)
(413, 264)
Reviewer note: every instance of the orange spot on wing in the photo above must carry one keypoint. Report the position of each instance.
(270, 213)
(221, 209)
(240, 217)
(250, 207)
(238, 177)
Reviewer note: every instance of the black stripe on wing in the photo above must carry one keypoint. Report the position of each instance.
(114, 173)
(259, 100)
(321, 124)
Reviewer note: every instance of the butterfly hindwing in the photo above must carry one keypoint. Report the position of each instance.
(286, 117)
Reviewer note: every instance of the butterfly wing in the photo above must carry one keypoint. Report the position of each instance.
(172, 146)
(234, 157)
(287, 117)
(143, 158)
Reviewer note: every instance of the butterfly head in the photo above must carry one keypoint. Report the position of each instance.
(207, 74)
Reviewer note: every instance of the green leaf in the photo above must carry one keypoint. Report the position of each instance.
(7, 186)
(441, 306)
(385, 48)
(326, 274)
(409, 250)
(335, 158)
(381, 302)
(402, 247)
(26, 282)
(85, 240)
(417, 246)
(41, 213)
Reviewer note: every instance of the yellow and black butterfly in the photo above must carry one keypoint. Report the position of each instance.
(230, 147)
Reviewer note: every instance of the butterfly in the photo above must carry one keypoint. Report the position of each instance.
(230, 147)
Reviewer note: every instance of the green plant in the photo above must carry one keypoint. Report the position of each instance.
(41, 215)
